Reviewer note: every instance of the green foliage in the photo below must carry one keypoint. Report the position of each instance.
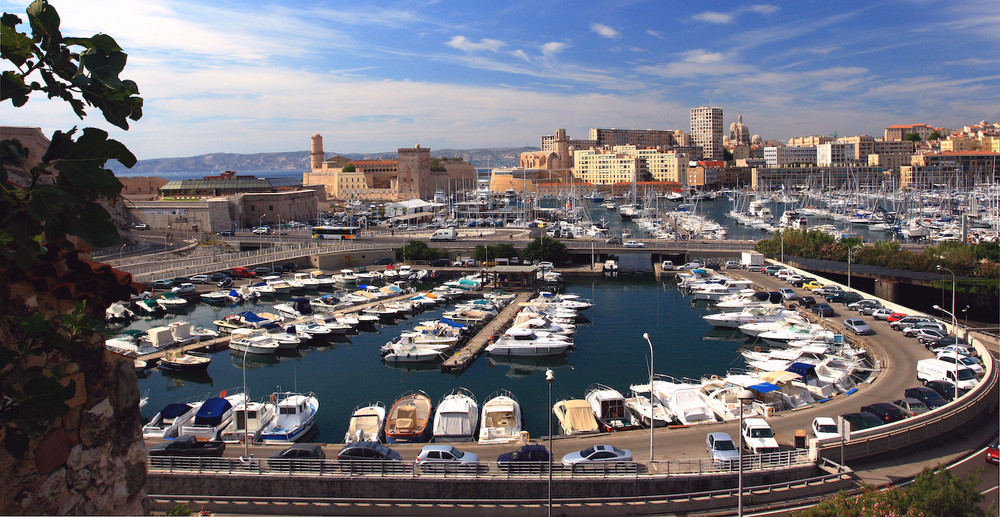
(436, 165)
(419, 250)
(46, 199)
(936, 135)
(913, 137)
(181, 509)
(494, 251)
(931, 494)
(546, 248)
(349, 168)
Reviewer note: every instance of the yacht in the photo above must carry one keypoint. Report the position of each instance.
(608, 405)
(749, 315)
(367, 421)
(278, 285)
(409, 418)
(296, 416)
(722, 398)
(346, 277)
(400, 353)
(253, 341)
(213, 416)
(524, 342)
(576, 417)
(645, 409)
(683, 401)
(457, 417)
(188, 362)
(166, 423)
(307, 281)
(501, 422)
(323, 281)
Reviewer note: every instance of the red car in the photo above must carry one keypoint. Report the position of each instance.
(993, 452)
(896, 316)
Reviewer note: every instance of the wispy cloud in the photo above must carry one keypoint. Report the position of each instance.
(465, 45)
(654, 34)
(552, 48)
(726, 18)
(604, 31)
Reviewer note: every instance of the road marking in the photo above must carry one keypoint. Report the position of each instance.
(972, 455)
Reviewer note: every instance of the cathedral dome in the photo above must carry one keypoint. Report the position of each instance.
(739, 133)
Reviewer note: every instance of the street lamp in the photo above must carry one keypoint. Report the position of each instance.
(966, 312)
(849, 249)
(550, 377)
(745, 397)
(260, 222)
(652, 421)
(121, 252)
(954, 321)
(938, 308)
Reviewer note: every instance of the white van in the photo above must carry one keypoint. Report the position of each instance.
(444, 234)
(938, 370)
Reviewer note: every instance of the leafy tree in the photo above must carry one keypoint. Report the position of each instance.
(47, 201)
(437, 165)
(493, 251)
(419, 250)
(546, 248)
(931, 494)
(913, 137)
(349, 168)
(935, 136)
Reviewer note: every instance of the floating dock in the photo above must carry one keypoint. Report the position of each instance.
(475, 346)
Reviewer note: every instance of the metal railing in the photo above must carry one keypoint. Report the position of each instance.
(521, 470)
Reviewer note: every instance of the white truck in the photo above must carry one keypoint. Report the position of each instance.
(444, 234)
(752, 258)
(758, 437)
(938, 370)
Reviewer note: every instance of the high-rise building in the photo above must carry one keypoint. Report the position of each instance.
(706, 131)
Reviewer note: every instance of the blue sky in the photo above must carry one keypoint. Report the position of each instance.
(249, 76)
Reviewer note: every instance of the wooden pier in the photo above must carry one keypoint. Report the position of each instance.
(475, 346)
(200, 346)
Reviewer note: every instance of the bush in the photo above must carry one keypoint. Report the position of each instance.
(548, 249)
(419, 250)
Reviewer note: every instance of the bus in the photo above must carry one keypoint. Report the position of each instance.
(335, 232)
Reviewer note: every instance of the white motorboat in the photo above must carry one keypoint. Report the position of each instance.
(222, 297)
(404, 272)
(167, 423)
(713, 292)
(296, 416)
(213, 416)
(367, 423)
(749, 315)
(501, 421)
(683, 401)
(253, 341)
(118, 313)
(576, 417)
(723, 400)
(457, 417)
(412, 354)
(296, 308)
(278, 285)
(647, 410)
(610, 267)
(323, 281)
(306, 281)
(524, 342)
(346, 277)
(249, 419)
(172, 302)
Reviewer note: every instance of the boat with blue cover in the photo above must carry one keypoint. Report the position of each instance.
(296, 416)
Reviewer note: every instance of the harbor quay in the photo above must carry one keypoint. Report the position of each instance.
(671, 473)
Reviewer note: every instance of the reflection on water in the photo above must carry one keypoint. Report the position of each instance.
(524, 366)
(181, 377)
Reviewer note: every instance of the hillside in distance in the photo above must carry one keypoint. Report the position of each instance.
(296, 161)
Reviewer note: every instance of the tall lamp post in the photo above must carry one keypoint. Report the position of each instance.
(652, 422)
(246, 400)
(938, 308)
(954, 322)
(849, 250)
(550, 377)
(260, 222)
(745, 397)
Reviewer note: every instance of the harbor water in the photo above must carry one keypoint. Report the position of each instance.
(609, 350)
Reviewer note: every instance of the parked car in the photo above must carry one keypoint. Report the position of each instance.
(948, 341)
(945, 389)
(881, 314)
(783, 274)
(301, 456)
(843, 297)
(993, 452)
(176, 281)
(261, 270)
(856, 306)
(792, 278)
(200, 279)
(732, 264)
(758, 436)
(827, 290)
(925, 336)
(217, 277)
(187, 446)
(384, 261)
(911, 406)
(929, 397)
(597, 453)
(226, 233)
(825, 427)
(162, 283)
(367, 451)
(822, 309)
(788, 294)
(772, 270)
(689, 266)
(721, 448)
(902, 323)
(801, 282)
(262, 230)
(242, 272)
(225, 282)
(911, 330)
(141, 226)
(807, 301)
(885, 411)
(896, 316)
(440, 262)
(529, 457)
(812, 285)
(964, 361)
(634, 244)
(439, 457)
(613, 240)
(858, 326)
(184, 289)
(862, 420)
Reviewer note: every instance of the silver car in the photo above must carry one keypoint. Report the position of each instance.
(722, 449)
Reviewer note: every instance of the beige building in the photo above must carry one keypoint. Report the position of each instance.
(705, 174)
(526, 180)
(706, 131)
(899, 131)
(409, 176)
(625, 162)
(141, 188)
(809, 141)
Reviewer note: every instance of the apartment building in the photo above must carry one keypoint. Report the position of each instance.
(782, 156)
(832, 153)
(706, 131)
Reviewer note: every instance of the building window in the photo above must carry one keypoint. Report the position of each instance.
(270, 207)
